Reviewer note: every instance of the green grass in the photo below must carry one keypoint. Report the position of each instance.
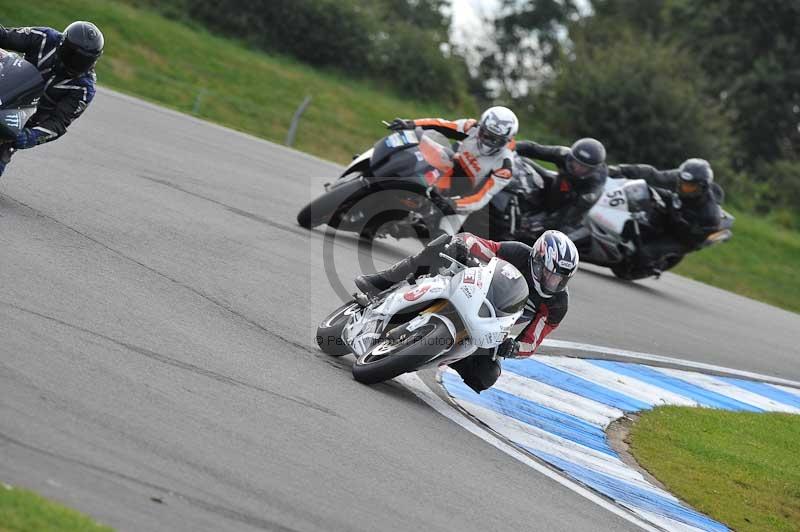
(172, 63)
(740, 468)
(24, 511)
(761, 261)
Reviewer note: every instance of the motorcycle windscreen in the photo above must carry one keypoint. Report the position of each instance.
(20, 81)
(638, 195)
(508, 291)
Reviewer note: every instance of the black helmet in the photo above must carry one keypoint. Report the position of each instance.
(585, 156)
(80, 48)
(695, 177)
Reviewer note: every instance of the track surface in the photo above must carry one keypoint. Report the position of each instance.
(157, 313)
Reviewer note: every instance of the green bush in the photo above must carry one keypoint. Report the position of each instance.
(642, 99)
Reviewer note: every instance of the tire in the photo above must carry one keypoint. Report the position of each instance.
(329, 331)
(625, 272)
(324, 208)
(396, 355)
(622, 271)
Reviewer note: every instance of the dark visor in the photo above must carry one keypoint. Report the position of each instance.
(577, 168)
(75, 61)
(490, 139)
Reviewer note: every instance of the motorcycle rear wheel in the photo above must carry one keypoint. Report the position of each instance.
(324, 208)
(402, 351)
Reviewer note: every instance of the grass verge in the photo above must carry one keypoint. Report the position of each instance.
(189, 69)
(23, 511)
(740, 468)
(760, 261)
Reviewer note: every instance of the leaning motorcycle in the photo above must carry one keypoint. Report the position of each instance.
(611, 233)
(389, 190)
(430, 321)
(21, 86)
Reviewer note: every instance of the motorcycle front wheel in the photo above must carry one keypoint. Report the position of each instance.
(329, 331)
(402, 351)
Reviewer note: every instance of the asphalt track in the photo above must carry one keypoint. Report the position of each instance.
(157, 363)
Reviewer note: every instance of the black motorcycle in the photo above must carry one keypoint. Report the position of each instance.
(393, 189)
(21, 86)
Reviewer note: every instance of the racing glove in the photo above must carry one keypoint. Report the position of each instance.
(508, 349)
(26, 139)
(443, 203)
(399, 124)
(458, 250)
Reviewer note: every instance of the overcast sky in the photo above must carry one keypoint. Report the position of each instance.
(468, 26)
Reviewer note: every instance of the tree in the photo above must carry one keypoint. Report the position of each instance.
(528, 38)
(643, 99)
(750, 52)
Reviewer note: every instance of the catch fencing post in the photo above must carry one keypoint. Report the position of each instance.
(196, 108)
(296, 120)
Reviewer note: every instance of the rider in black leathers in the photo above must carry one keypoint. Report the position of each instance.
(567, 196)
(691, 206)
(66, 61)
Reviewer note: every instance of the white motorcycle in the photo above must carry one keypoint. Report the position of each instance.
(604, 238)
(432, 321)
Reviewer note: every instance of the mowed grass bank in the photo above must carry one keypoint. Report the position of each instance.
(740, 468)
(761, 261)
(25, 511)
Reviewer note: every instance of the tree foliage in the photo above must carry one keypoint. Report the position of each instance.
(527, 40)
(641, 98)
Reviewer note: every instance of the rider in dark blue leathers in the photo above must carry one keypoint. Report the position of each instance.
(66, 61)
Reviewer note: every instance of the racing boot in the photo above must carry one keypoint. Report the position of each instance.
(374, 284)
(6, 151)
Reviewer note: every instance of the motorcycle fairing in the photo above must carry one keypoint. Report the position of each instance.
(466, 292)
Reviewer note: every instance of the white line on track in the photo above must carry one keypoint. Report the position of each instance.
(793, 391)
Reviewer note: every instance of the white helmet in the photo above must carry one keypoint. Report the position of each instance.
(497, 127)
(553, 262)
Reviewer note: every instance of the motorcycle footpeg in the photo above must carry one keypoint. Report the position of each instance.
(362, 299)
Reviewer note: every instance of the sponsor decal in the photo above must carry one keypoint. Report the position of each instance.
(472, 161)
(566, 264)
(13, 120)
(409, 137)
(416, 293)
(511, 272)
(394, 140)
(468, 290)
(469, 277)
